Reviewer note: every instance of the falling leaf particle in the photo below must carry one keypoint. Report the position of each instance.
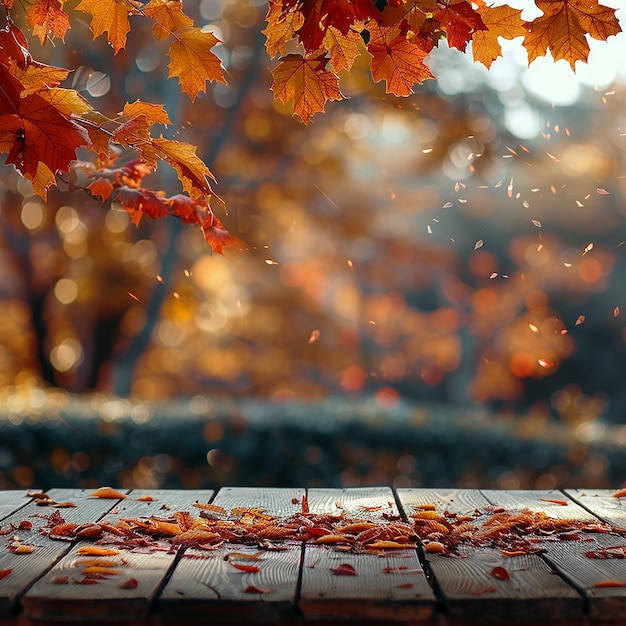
(580, 320)
(533, 328)
(588, 248)
(616, 311)
(536, 223)
(493, 275)
(314, 336)
(602, 191)
(478, 244)
(270, 262)
(545, 363)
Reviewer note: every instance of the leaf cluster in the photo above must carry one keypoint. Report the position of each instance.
(43, 125)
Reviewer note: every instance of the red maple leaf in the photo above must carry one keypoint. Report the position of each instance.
(459, 21)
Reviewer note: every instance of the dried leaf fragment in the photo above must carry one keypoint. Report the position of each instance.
(500, 573)
(608, 583)
(5, 572)
(255, 589)
(251, 569)
(345, 569)
(97, 551)
(129, 583)
(107, 492)
(620, 493)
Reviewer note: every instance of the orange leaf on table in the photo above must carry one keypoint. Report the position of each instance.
(107, 492)
(563, 26)
(397, 61)
(459, 21)
(167, 15)
(305, 82)
(5, 572)
(192, 61)
(110, 16)
(46, 17)
(502, 21)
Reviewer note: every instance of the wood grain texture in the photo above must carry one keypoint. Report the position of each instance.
(468, 589)
(11, 501)
(398, 595)
(547, 501)
(27, 568)
(602, 504)
(206, 581)
(569, 558)
(109, 598)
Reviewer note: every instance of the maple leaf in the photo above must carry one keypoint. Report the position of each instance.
(342, 14)
(306, 82)
(135, 129)
(192, 61)
(502, 21)
(562, 28)
(192, 172)
(343, 49)
(140, 201)
(110, 16)
(410, 15)
(399, 62)
(41, 134)
(47, 16)
(217, 237)
(168, 17)
(154, 113)
(37, 77)
(459, 21)
(280, 29)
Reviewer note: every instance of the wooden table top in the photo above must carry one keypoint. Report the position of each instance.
(186, 573)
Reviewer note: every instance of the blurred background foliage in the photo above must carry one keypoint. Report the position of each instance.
(459, 248)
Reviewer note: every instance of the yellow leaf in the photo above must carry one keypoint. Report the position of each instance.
(305, 82)
(154, 113)
(280, 31)
(192, 61)
(35, 77)
(110, 16)
(168, 17)
(502, 21)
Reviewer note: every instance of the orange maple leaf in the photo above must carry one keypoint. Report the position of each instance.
(110, 16)
(399, 62)
(305, 82)
(47, 16)
(502, 21)
(562, 28)
(154, 113)
(168, 17)
(192, 61)
(192, 172)
(343, 49)
(280, 28)
(37, 76)
(459, 21)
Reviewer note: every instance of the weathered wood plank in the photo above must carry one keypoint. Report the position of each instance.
(11, 501)
(602, 504)
(27, 568)
(569, 558)
(206, 583)
(388, 585)
(467, 585)
(114, 597)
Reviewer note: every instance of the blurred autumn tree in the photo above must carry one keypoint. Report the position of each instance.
(455, 245)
